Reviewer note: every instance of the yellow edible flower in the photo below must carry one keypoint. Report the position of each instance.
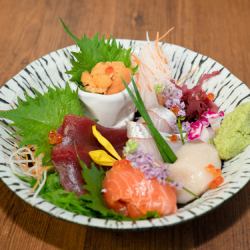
(101, 157)
(105, 143)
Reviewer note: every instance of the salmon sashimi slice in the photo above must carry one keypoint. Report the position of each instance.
(127, 191)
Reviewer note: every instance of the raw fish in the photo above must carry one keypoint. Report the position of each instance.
(190, 169)
(78, 140)
(127, 191)
(139, 133)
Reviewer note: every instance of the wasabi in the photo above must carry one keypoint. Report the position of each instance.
(234, 134)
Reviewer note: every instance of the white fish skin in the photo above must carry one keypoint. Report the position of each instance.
(163, 119)
(190, 169)
(139, 132)
(148, 146)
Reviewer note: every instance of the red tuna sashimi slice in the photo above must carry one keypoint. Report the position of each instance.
(77, 139)
(66, 163)
(78, 131)
(127, 191)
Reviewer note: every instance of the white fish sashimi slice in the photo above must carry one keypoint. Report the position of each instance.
(139, 132)
(207, 134)
(175, 146)
(163, 119)
(148, 146)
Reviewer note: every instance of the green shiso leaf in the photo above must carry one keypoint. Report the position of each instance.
(150, 215)
(54, 193)
(94, 50)
(90, 204)
(93, 178)
(35, 117)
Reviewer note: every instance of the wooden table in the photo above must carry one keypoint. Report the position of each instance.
(30, 29)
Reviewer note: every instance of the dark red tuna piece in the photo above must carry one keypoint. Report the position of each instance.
(78, 140)
(66, 164)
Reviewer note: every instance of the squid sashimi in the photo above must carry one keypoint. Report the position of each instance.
(197, 168)
(127, 191)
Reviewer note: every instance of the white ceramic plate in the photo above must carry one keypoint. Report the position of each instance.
(49, 70)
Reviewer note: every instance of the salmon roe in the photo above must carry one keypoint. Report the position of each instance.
(173, 138)
(216, 182)
(210, 96)
(54, 137)
(218, 178)
(175, 109)
(109, 70)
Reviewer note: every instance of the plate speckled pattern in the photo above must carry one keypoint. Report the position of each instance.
(50, 70)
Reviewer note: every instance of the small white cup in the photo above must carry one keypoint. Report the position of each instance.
(110, 110)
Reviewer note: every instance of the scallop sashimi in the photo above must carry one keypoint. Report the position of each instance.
(127, 191)
(197, 166)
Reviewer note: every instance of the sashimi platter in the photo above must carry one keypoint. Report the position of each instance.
(125, 134)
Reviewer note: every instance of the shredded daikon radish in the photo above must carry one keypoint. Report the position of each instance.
(24, 163)
(165, 35)
(153, 70)
(42, 183)
(19, 161)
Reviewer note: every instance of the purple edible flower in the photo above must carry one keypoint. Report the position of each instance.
(151, 169)
(173, 97)
(186, 126)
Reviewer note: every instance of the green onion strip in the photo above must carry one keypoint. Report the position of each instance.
(166, 152)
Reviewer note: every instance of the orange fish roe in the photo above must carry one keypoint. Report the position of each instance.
(54, 137)
(210, 96)
(216, 182)
(218, 178)
(109, 70)
(175, 109)
(214, 171)
(173, 138)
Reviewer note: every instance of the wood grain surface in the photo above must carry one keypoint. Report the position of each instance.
(219, 29)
